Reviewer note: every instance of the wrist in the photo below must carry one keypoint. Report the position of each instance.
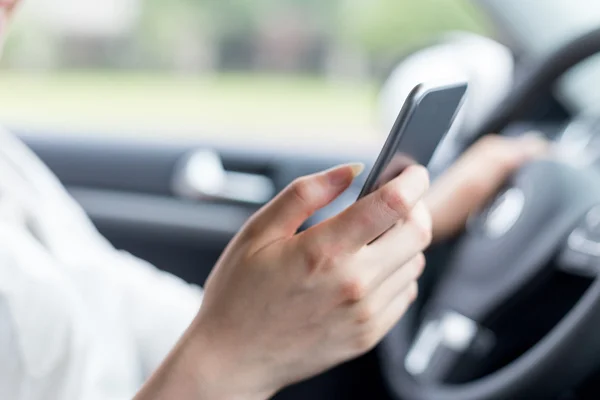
(219, 372)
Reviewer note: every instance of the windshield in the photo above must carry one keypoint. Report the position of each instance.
(261, 70)
(538, 27)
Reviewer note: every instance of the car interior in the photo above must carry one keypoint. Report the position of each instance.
(509, 309)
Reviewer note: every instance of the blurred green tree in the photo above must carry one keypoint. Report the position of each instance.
(195, 35)
(382, 27)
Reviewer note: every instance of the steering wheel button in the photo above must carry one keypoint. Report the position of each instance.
(592, 224)
(452, 332)
(580, 241)
(420, 355)
(592, 218)
(581, 255)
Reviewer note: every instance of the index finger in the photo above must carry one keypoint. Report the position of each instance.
(373, 215)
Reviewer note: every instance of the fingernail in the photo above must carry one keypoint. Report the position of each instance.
(339, 176)
(357, 169)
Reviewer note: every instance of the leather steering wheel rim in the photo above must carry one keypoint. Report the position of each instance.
(535, 372)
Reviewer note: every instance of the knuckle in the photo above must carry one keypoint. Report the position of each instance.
(422, 227)
(302, 189)
(353, 290)
(423, 175)
(366, 341)
(425, 235)
(364, 218)
(364, 314)
(415, 267)
(413, 291)
(319, 257)
(420, 262)
(394, 201)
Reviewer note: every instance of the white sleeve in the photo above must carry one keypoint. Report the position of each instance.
(96, 330)
(159, 306)
(127, 299)
(47, 349)
(10, 368)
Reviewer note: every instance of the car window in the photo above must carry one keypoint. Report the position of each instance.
(275, 70)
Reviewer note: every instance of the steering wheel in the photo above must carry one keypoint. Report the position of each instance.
(544, 226)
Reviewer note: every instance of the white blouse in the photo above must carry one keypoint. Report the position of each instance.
(79, 320)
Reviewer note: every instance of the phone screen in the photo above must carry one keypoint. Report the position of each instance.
(423, 122)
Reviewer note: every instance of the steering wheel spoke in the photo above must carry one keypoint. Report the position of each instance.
(442, 343)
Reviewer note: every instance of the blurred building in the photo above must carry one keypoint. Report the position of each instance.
(87, 18)
(342, 39)
(55, 33)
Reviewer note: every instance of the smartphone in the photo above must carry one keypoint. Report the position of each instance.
(424, 120)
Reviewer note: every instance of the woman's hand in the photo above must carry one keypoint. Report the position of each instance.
(280, 306)
(477, 176)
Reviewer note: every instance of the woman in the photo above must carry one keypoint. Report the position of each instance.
(79, 320)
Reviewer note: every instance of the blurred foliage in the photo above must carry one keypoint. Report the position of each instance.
(378, 28)
(383, 26)
(224, 54)
(199, 34)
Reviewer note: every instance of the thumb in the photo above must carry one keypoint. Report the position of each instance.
(282, 217)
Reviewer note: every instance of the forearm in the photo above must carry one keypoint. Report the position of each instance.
(174, 379)
(195, 370)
